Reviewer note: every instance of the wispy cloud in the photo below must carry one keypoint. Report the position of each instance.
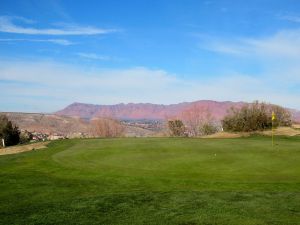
(223, 47)
(93, 56)
(285, 43)
(290, 17)
(19, 18)
(54, 41)
(8, 25)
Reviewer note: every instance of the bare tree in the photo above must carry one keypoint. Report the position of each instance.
(107, 127)
(282, 116)
(198, 120)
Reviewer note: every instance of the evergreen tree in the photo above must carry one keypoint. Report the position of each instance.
(8, 131)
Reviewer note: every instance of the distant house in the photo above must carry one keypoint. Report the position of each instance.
(77, 135)
(37, 136)
(56, 137)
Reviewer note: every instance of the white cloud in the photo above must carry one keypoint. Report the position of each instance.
(277, 54)
(61, 84)
(20, 18)
(291, 18)
(55, 41)
(285, 43)
(93, 56)
(60, 41)
(223, 47)
(7, 25)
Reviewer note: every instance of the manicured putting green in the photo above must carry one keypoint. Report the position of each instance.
(154, 181)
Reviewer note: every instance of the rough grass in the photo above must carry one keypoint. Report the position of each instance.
(154, 181)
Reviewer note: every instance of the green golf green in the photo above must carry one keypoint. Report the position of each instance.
(154, 181)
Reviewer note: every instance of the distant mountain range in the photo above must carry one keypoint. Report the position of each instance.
(136, 111)
(75, 117)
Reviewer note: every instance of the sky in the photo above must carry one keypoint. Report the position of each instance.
(55, 52)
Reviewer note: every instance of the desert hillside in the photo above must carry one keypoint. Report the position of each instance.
(48, 123)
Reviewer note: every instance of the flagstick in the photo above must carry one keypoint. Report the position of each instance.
(272, 119)
(272, 135)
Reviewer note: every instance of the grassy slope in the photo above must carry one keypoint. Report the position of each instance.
(153, 181)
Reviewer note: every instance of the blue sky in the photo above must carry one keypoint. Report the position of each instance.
(53, 53)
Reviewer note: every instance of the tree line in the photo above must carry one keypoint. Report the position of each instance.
(257, 116)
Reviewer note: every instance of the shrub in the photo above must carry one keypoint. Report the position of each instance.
(255, 117)
(208, 128)
(25, 137)
(176, 128)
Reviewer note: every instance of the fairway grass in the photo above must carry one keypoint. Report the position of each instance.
(154, 181)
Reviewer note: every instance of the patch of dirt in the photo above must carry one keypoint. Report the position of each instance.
(132, 131)
(296, 126)
(227, 135)
(23, 148)
(285, 131)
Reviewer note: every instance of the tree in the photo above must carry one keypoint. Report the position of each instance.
(25, 137)
(199, 121)
(176, 128)
(282, 116)
(107, 127)
(9, 132)
(193, 117)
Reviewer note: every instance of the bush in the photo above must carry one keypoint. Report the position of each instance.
(255, 117)
(208, 128)
(176, 128)
(25, 137)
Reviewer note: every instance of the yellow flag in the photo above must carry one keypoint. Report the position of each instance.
(273, 116)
